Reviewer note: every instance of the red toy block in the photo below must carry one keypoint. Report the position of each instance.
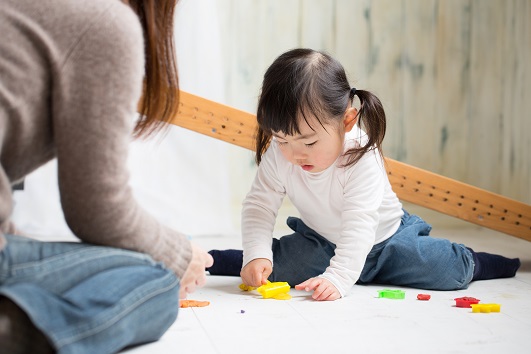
(465, 301)
(424, 297)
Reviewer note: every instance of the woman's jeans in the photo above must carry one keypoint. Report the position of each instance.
(408, 258)
(89, 299)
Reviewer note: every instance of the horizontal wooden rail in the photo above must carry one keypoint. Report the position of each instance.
(410, 183)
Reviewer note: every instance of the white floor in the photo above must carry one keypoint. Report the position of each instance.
(240, 322)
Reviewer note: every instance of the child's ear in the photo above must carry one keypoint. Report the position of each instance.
(350, 119)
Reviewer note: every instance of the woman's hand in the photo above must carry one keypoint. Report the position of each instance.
(256, 272)
(323, 289)
(195, 276)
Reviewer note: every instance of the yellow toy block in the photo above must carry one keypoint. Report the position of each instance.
(247, 287)
(276, 290)
(485, 308)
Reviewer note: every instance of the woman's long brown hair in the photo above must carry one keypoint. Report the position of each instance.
(160, 101)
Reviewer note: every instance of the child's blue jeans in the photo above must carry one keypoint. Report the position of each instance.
(409, 258)
(89, 299)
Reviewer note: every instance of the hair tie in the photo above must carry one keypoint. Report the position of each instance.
(352, 92)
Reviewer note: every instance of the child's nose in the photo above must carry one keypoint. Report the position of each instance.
(298, 154)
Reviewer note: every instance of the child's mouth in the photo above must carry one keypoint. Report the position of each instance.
(307, 167)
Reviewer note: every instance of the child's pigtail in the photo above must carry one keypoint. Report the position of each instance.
(371, 119)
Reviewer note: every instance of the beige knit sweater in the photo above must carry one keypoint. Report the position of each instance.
(70, 78)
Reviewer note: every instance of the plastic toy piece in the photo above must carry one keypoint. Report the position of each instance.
(277, 290)
(246, 287)
(485, 308)
(391, 294)
(465, 301)
(424, 297)
(193, 303)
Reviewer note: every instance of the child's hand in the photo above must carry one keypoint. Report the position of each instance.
(256, 272)
(323, 289)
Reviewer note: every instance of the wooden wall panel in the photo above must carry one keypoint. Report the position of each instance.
(485, 95)
(451, 87)
(454, 75)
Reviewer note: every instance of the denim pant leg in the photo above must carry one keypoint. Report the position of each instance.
(301, 255)
(89, 299)
(412, 258)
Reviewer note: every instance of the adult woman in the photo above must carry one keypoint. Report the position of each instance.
(72, 74)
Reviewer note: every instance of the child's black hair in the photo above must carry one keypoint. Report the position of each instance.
(306, 84)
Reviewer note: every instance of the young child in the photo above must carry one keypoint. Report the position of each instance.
(316, 147)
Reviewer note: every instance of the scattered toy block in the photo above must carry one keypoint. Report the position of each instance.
(485, 308)
(193, 303)
(277, 290)
(423, 297)
(465, 301)
(391, 294)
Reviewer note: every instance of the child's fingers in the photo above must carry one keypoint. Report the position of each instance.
(322, 292)
(265, 275)
(307, 285)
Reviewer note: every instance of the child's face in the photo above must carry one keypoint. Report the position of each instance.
(314, 150)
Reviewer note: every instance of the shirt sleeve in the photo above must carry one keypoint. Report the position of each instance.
(260, 209)
(363, 195)
(95, 94)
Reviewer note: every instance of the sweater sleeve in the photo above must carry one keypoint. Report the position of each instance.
(95, 93)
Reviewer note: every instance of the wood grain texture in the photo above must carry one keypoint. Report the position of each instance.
(410, 183)
(453, 75)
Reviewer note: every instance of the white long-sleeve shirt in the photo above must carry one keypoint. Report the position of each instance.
(354, 208)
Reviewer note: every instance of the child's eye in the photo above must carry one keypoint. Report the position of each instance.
(311, 144)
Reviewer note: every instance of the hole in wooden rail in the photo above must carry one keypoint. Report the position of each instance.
(419, 182)
(474, 209)
(459, 204)
(213, 130)
(416, 190)
(503, 218)
(517, 223)
(447, 192)
(239, 131)
(445, 199)
(505, 211)
(401, 186)
(462, 197)
(519, 215)
(222, 126)
(431, 194)
(476, 201)
(491, 206)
